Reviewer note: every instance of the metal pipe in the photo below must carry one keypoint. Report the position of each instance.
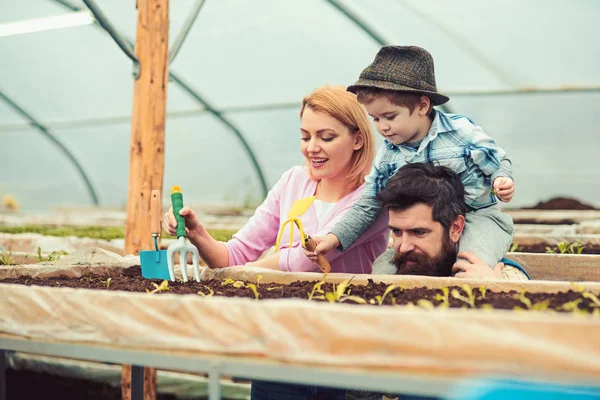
(185, 29)
(36, 124)
(112, 31)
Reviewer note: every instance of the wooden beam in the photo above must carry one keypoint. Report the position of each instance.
(147, 144)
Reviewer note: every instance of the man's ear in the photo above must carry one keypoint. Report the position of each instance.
(359, 141)
(456, 229)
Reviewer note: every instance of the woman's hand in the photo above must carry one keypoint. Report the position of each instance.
(474, 268)
(192, 224)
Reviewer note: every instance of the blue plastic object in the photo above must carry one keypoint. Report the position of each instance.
(495, 389)
(154, 264)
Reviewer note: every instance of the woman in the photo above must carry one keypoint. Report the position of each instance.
(338, 147)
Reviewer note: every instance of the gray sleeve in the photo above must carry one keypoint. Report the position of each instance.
(505, 168)
(356, 222)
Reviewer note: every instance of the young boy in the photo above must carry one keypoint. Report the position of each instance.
(398, 90)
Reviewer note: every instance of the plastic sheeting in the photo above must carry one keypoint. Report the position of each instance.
(301, 332)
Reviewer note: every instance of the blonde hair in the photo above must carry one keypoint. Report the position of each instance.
(342, 105)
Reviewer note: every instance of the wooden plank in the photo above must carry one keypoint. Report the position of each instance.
(147, 144)
(559, 267)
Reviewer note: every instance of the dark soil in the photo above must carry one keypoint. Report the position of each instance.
(561, 203)
(132, 281)
(30, 385)
(534, 221)
(541, 248)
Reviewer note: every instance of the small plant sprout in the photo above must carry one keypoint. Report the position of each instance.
(252, 287)
(163, 287)
(5, 258)
(470, 299)
(107, 282)
(513, 247)
(572, 306)
(445, 303)
(276, 287)
(426, 304)
(566, 248)
(341, 293)
(258, 278)
(593, 298)
(317, 289)
(381, 298)
(235, 284)
(482, 290)
(209, 294)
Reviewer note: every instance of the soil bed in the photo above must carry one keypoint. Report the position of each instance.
(131, 281)
(561, 203)
(542, 248)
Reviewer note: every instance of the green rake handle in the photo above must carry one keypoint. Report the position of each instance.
(177, 202)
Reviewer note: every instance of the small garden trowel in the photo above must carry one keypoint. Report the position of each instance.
(154, 262)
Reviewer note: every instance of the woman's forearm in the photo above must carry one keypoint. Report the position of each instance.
(213, 252)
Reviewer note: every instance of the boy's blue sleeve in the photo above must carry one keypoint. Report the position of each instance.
(362, 214)
(490, 158)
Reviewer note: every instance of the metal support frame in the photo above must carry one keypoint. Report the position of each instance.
(3, 369)
(185, 29)
(215, 366)
(218, 114)
(105, 23)
(137, 382)
(38, 125)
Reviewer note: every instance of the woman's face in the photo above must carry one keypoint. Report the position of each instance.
(327, 145)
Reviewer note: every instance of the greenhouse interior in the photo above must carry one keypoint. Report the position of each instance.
(317, 199)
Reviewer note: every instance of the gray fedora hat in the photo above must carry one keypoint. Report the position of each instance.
(402, 69)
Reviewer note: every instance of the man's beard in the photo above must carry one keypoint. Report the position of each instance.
(425, 265)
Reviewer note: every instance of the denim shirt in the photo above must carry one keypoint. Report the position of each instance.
(453, 141)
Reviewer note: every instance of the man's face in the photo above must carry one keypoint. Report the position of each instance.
(423, 247)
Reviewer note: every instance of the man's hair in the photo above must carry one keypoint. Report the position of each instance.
(423, 183)
(366, 95)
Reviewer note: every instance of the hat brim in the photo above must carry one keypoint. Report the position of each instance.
(436, 98)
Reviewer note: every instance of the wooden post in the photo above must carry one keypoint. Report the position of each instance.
(147, 145)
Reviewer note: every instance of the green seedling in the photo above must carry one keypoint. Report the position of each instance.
(445, 303)
(163, 287)
(5, 258)
(55, 255)
(252, 287)
(235, 284)
(341, 293)
(572, 306)
(426, 304)
(380, 299)
(566, 248)
(513, 247)
(593, 298)
(470, 299)
(258, 278)
(107, 282)
(482, 290)
(276, 287)
(317, 289)
(209, 294)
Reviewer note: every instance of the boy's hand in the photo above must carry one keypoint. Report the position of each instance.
(473, 268)
(324, 245)
(504, 188)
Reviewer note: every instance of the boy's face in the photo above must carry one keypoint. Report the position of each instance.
(396, 123)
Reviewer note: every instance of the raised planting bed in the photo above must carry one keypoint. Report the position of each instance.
(556, 244)
(374, 294)
(392, 339)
